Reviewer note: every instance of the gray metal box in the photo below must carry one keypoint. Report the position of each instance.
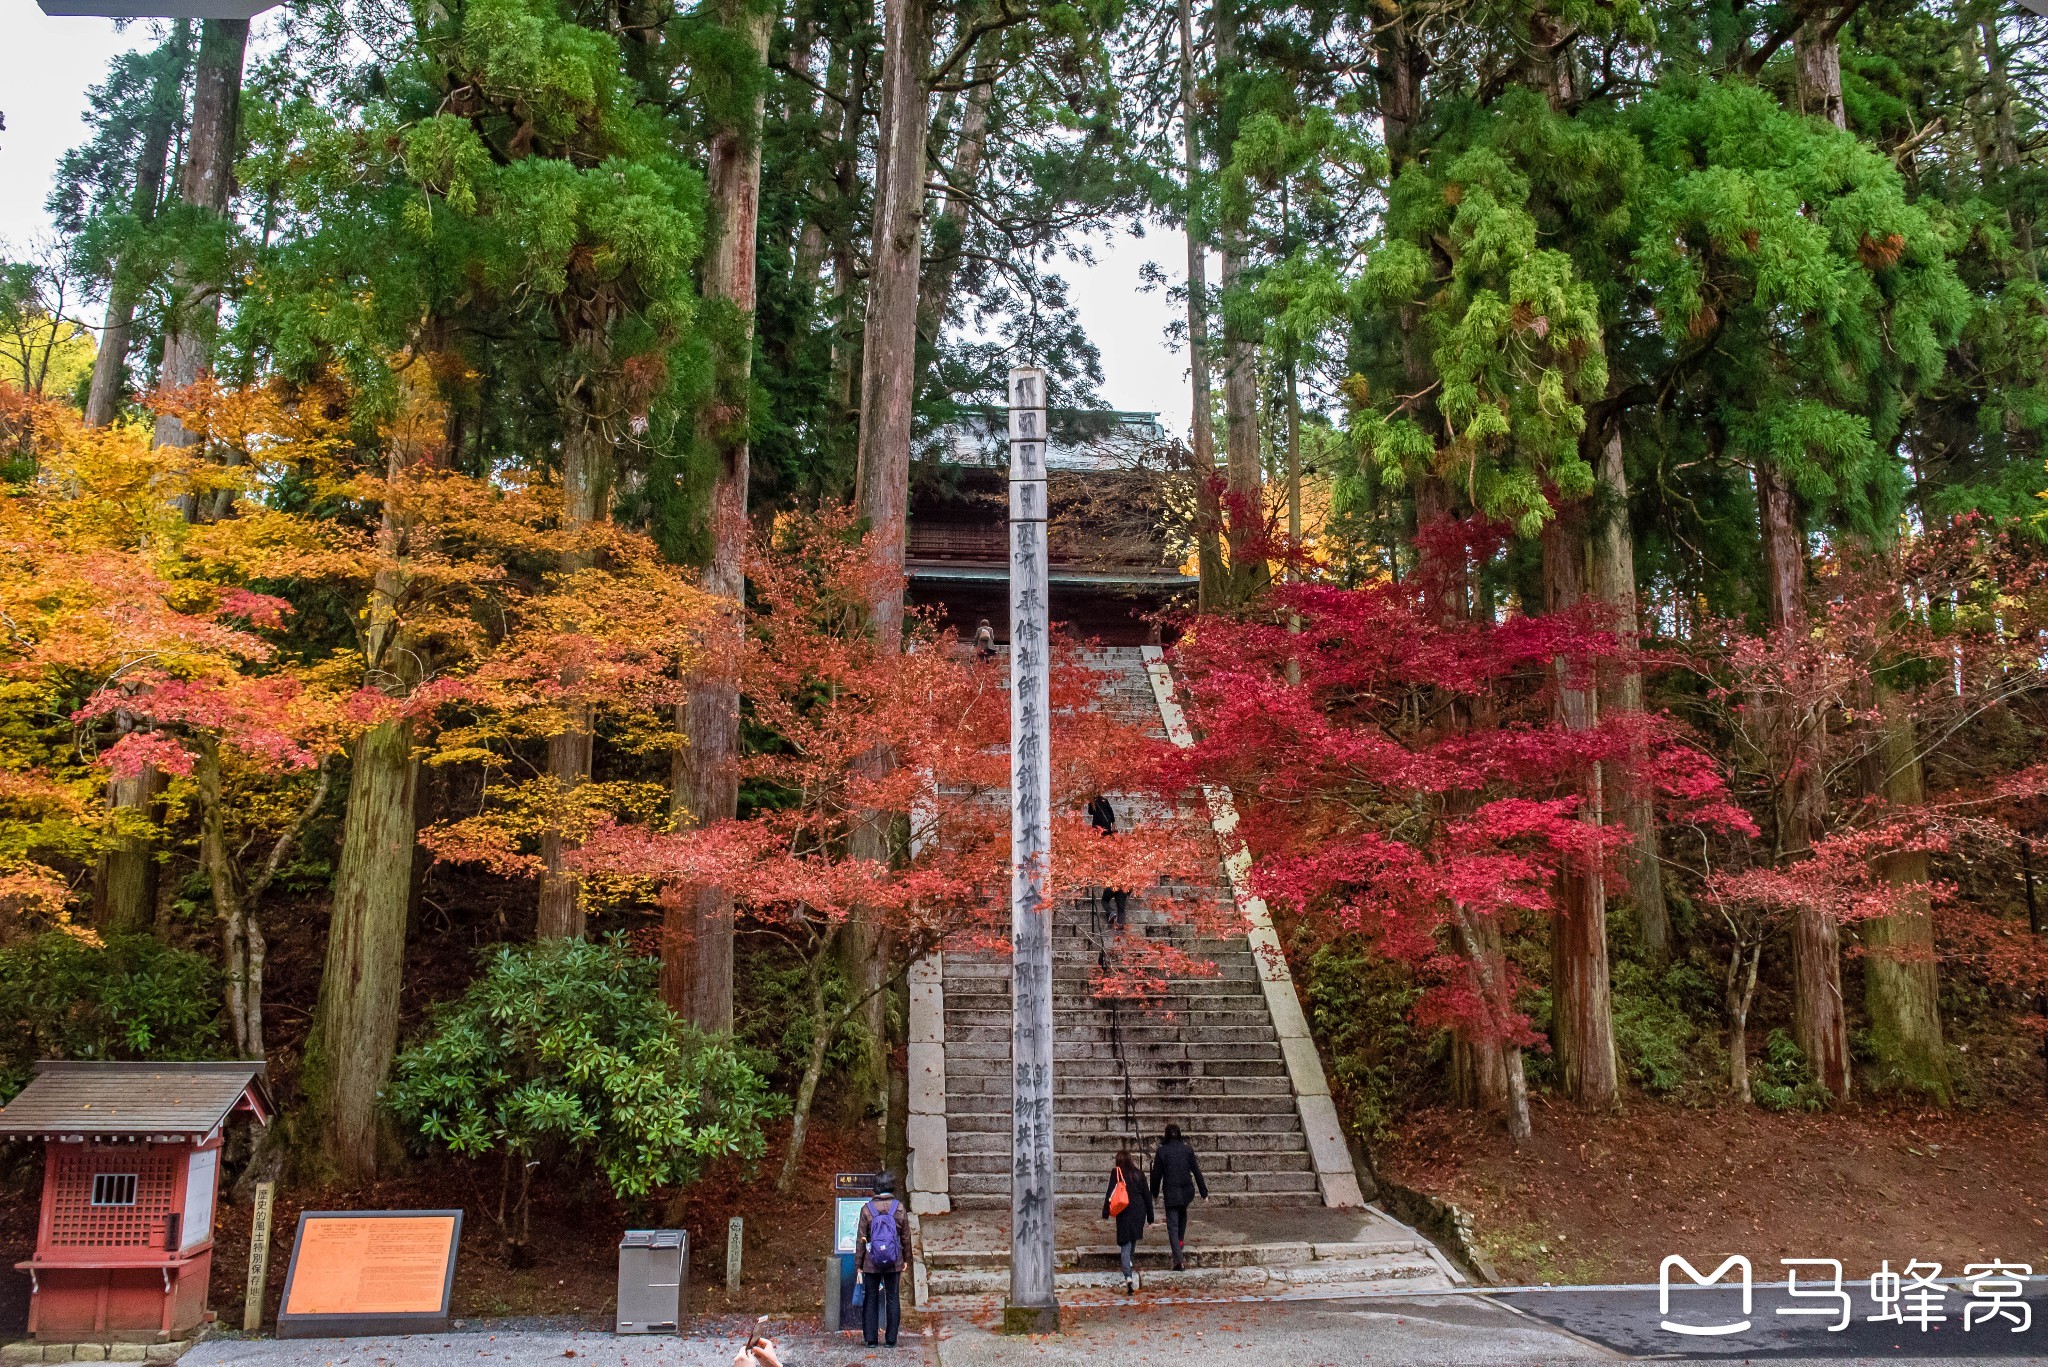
(653, 1267)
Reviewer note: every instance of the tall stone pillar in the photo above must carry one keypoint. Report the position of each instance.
(1032, 1307)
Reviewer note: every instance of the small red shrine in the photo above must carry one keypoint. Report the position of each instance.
(131, 1168)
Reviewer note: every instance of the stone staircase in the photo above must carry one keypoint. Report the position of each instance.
(1226, 1057)
(1205, 1058)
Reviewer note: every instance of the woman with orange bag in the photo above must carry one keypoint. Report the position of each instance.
(1130, 1205)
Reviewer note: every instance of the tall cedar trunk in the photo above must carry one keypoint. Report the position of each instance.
(1613, 573)
(845, 274)
(1243, 470)
(888, 391)
(889, 346)
(1201, 431)
(586, 498)
(1582, 1011)
(2005, 151)
(206, 182)
(355, 1024)
(696, 953)
(1818, 1023)
(970, 149)
(152, 161)
(1901, 989)
(1817, 67)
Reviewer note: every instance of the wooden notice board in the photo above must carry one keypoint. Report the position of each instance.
(370, 1272)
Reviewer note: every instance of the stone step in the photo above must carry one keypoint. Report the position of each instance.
(963, 1200)
(1098, 1163)
(1246, 1010)
(1133, 1033)
(1170, 1100)
(1092, 1183)
(967, 1051)
(994, 994)
(1337, 1277)
(1135, 1058)
(1091, 1071)
(1198, 1254)
(1166, 1106)
(1105, 1143)
(1107, 1120)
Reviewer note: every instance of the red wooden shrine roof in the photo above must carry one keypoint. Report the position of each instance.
(134, 1099)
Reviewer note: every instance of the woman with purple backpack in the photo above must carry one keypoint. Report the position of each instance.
(878, 1253)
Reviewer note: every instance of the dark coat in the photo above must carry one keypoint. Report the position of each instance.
(1130, 1224)
(1177, 1174)
(1101, 815)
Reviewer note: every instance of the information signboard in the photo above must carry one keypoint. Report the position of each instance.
(370, 1272)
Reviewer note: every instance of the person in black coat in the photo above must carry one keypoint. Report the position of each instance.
(1132, 1219)
(1115, 901)
(1176, 1177)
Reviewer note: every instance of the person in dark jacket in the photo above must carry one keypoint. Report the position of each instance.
(1132, 1219)
(1115, 901)
(1176, 1177)
(881, 1305)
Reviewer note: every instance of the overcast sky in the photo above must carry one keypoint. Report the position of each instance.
(48, 64)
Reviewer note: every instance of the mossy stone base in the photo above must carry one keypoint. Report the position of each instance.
(1031, 1319)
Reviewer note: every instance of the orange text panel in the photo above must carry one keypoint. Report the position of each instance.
(385, 1266)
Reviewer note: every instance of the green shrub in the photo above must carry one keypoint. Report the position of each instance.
(134, 997)
(1653, 1024)
(1359, 1006)
(561, 1052)
(1783, 1081)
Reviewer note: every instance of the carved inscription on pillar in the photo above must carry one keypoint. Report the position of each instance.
(1031, 1039)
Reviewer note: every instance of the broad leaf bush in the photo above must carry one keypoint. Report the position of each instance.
(133, 997)
(561, 1052)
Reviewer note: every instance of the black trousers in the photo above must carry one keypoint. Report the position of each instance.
(1117, 902)
(1176, 1230)
(881, 1286)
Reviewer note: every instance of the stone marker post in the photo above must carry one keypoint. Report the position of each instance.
(259, 1257)
(733, 1238)
(1032, 1307)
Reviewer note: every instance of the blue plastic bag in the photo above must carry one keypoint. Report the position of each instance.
(860, 1293)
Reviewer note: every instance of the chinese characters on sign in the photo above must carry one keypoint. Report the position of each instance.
(1031, 1176)
(1988, 1296)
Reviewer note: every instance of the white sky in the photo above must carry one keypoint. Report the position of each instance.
(46, 65)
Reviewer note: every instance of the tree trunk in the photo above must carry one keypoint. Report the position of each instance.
(207, 180)
(1582, 1009)
(1613, 574)
(110, 366)
(227, 903)
(822, 1032)
(586, 499)
(696, 956)
(355, 1023)
(1817, 1017)
(124, 884)
(1481, 939)
(1201, 431)
(1244, 473)
(1738, 991)
(889, 347)
(1817, 66)
(888, 388)
(1900, 985)
(949, 232)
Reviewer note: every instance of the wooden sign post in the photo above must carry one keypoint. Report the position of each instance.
(1032, 1307)
(259, 1256)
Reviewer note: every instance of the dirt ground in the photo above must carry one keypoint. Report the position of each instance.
(1591, 1199)
(576, 1227)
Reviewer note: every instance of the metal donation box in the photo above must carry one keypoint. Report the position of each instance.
(131, 1166)
(653, 1275)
